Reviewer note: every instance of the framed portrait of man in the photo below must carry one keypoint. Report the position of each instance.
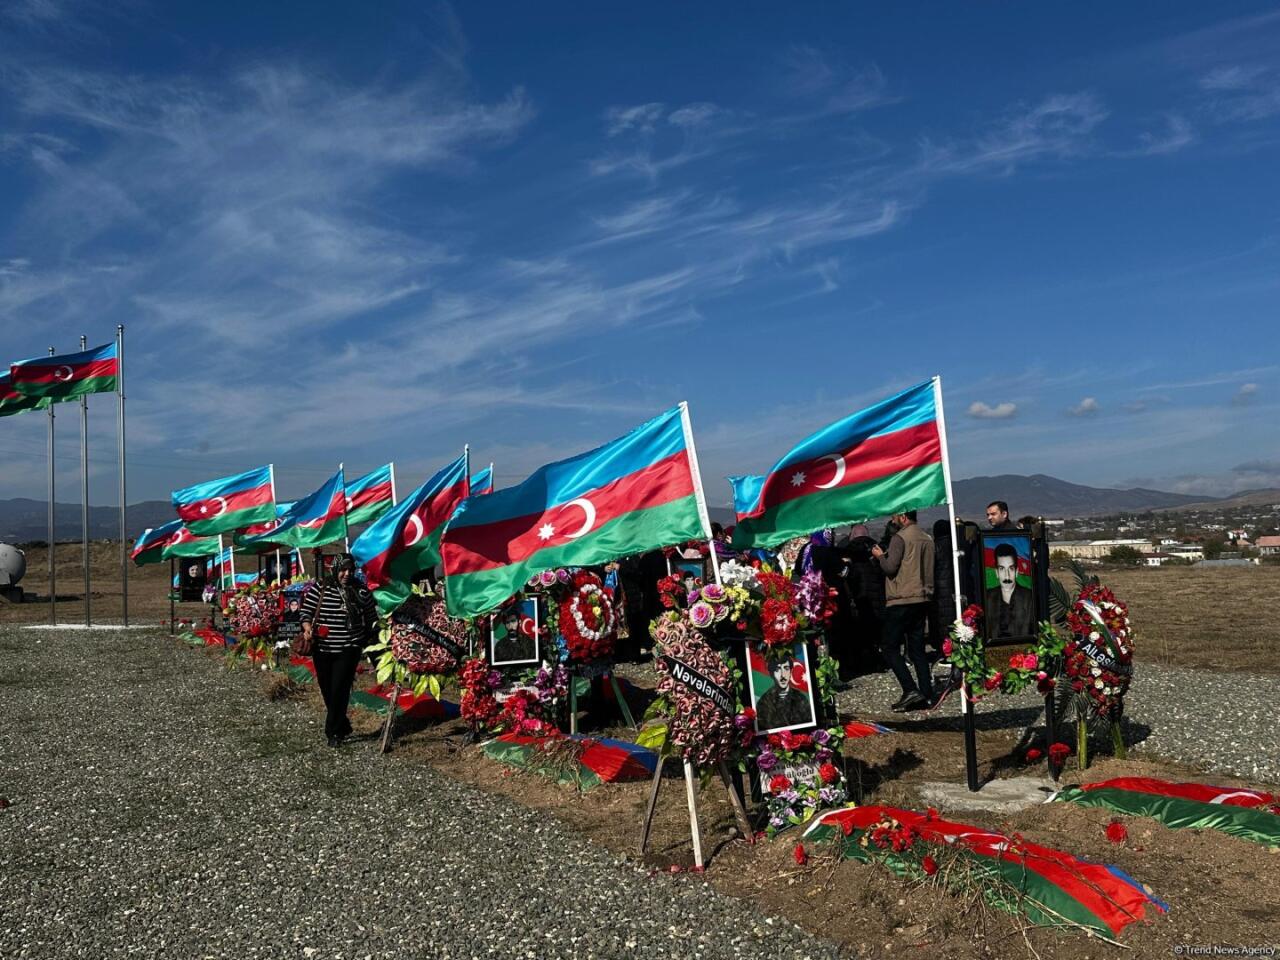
(689, 570)
(782, 688)
(1009, 588)
(513, 635)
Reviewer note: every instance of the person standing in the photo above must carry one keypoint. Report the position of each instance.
(998, 516)
(908, 570)
(864, 582)
(339, 618)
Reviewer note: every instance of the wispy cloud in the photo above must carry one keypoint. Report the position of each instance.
(985, 411)
(1247, 393)
(1088, 407)
(833, 87)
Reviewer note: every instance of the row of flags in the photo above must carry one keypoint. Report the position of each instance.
(638, 493)
(36, 383)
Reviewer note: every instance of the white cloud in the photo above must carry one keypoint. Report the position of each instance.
(1088, 407)
(1001, 411)
(1245, 395)
(641, 118)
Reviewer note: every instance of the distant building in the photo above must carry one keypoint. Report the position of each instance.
(1269, 546)
(1156, 559)
(1228, 563)
(1097, 549)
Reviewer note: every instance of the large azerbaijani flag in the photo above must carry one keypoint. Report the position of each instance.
(313, 521)
(11, 401)
(183, 543)
(637, 493)
(881, 460)
(227, 504)
(69, 375)
(1247, 814)
(372, 495)
(149, 547)
(406, 539)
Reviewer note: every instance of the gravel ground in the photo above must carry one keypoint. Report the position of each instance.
(1219, 722)
(169, 810)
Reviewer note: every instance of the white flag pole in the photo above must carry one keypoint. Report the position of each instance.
(279, 578)
(493, 481)
(346, 534)
(84, 490)
(124, 549)
(53, 543)
(699, 496)
(394, 501)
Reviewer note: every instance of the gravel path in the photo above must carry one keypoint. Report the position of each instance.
(1220, 722)
(171, 811)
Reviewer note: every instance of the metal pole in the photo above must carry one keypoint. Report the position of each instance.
(700, 496)
(84, 491)
(172, 588)
(124, 547)
(53, 543)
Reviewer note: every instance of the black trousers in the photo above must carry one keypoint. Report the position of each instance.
(904, 625)
(335, 672)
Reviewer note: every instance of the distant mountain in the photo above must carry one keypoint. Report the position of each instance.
(1040, 495)
(1245, 498)
(22, 520)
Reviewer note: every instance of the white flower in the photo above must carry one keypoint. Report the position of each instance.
(1098, 684)
(964, 633)
(1094, 636)
(734, 574)
(1096, 671)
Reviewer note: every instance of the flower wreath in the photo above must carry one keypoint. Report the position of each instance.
(255, 613)
(529, 707)
(421, 645)
(1099, 656)
(794, 802)
(588, 621)
(699, 730)
(968, 652)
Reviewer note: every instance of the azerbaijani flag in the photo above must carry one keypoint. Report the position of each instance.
(1046, 885)
(406, 539)
(881, 460)
(1248, 814)
(636, 493)
(313, 521)
(149, 548)
(183, 543)
(226, 505)
(372, 495)
(11, 401)
(69, 375)
(482, 482)
(241, 537)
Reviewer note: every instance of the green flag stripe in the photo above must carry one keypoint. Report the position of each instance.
(368, 513)
(471, 594)
(233, 520)
(70, 390)
(1247, 823)
(335, 529)
(910, 489)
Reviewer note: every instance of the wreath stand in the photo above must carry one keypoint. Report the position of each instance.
(617, 693)
(384, 744)
(691, 794)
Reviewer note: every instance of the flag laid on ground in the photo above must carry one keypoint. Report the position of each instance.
(1048, 886)
(241, 537)
(69, 375)
(183, 543)
(229, 503)
(11, 401)
(313, 521)
(408, 704)
(1248, 814)
(634, 494)
(881, 460)
(149, 547)
(406, 539)
(482, 482)
(372, 495)
(585, 761)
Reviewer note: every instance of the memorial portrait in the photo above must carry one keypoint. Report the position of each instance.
(513, 635)
(781, 687)
(1009, 601)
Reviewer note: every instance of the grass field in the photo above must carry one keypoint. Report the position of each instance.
(1215, 619)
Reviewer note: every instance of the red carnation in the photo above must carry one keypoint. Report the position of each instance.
(322, 630)
(929, 865)
(829, 773)
(1034, 754)
(1058, 754)
(1117, 832)
(779, 783)
(801, 856)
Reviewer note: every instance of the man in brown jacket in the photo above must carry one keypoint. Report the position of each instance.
(908, 570)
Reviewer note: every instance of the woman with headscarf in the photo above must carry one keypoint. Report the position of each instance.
(339, 618)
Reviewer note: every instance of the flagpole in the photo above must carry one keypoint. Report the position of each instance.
(279, 579)
(394, 501)
(124, 551)
(346, 535)
(970, 728)
(53, 580)
(493, 481)
(84, 489)
(699, 496)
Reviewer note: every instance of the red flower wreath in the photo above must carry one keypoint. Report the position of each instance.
(588, 621)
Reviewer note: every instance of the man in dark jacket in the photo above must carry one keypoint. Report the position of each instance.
(908, 570)
(998, 516)
(864, 582)
(1009, 607)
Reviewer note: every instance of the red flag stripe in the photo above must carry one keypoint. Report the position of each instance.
(473, 549)
(375, 494)
(433, 513)
(1200, 792)
(47, 373)
(240, 500)
(875, 457)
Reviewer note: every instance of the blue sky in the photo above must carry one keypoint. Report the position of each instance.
(381, 232)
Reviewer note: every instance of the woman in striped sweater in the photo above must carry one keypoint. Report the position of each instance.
(339, 618)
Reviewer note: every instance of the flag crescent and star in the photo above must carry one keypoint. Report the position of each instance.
(222, 507)
(548, 530)
(413, 530)
(58, 373)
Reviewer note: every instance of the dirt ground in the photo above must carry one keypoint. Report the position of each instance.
(1215, 619)
(1220, 889)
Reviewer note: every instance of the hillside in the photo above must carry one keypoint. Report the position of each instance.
(22, 520)
(1045, 496)
(1246, 498)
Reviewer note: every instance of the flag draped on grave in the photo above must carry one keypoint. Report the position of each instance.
(313, 521)
(1046, 885)
(183, 543)
(587, 761)
(370, 496)
(881, 460)
(11, 401)
(1248, 814)
(482, 482)
(406, 539)
(229, 503)
(634, 494)
(69, 375)
(149, 547)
